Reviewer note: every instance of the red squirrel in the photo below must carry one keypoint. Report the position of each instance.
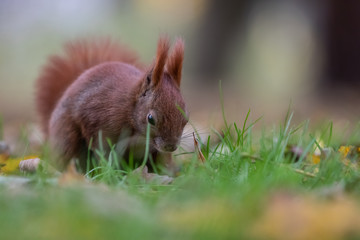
(99, 86)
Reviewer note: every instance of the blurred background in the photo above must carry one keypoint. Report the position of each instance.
(267, 54)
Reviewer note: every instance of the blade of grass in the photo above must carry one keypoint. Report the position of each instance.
(147, 146)
(330, 134)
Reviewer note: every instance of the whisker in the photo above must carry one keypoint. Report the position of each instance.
(191, 136)
(196, 130)
(191, 133)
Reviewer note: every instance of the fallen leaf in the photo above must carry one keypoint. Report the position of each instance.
(350, 156)
(143, 174)
(11, 165)
(344, 150)
(29, 165)
(315, 158)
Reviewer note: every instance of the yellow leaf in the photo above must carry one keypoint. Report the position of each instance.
(315, 159)
(11, 165)
(344, 150)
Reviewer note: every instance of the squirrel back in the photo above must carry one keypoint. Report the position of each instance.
(61, 71)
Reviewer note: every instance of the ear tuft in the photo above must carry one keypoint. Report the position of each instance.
(175, 61)
(161, 56)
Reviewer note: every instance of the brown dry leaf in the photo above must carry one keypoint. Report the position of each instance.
(200, 155)
(294, 217)
(71, 176)
(144, 174)
(29, 165)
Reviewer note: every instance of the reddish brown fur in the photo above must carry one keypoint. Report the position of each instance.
(175, 61)
(60, 71)
(112, 96)
(161, 56)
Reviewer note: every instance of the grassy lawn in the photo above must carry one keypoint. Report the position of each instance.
(285, 182)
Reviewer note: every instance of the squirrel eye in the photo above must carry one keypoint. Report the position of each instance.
(151, 119)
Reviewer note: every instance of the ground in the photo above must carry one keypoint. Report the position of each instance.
(284, 182)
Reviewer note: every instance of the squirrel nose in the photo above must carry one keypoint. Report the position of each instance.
(170, 147)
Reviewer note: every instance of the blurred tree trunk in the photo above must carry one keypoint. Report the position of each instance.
(215, 38)
(342, 44)
(340, 39)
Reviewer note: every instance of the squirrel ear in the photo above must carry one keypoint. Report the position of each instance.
(175, 61)
(161, 56)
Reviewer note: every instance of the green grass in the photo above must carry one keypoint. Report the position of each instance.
(220, 199)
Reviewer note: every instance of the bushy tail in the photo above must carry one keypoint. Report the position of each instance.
(61, 70)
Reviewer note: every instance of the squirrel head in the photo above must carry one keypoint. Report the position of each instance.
(159, 101)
